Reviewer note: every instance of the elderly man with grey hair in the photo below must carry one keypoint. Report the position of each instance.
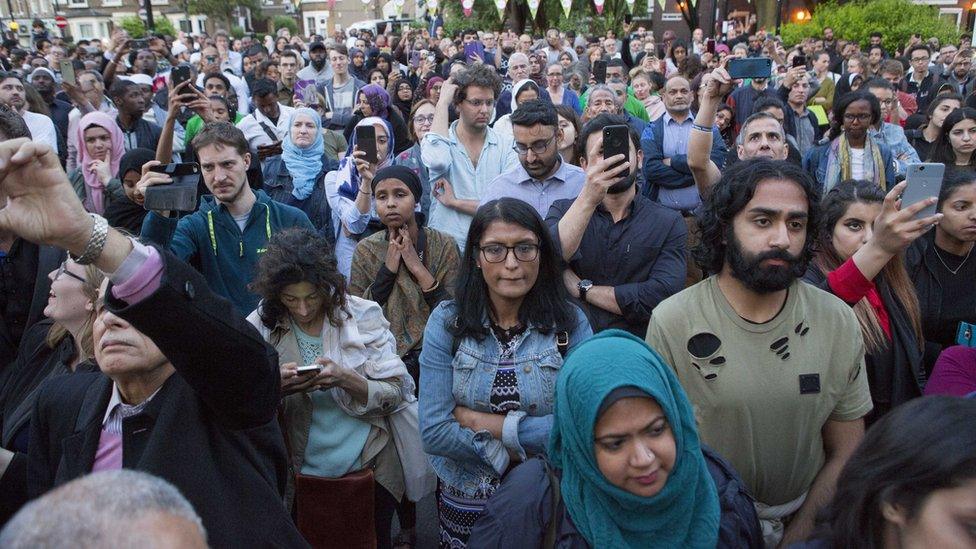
(518, 70)
(119, 509)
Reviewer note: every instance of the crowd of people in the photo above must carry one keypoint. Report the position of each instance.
(586, 291)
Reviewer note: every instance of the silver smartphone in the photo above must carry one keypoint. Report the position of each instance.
(67, 72)
(309, 368)
(924, 181)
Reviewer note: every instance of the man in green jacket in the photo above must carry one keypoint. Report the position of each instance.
(230, 230)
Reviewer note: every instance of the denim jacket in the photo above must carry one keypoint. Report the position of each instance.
(463, 459)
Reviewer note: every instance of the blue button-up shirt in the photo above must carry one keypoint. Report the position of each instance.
(446, 157)
(675, 143)
(566, 182)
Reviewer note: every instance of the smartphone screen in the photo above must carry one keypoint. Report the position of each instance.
(474, 51)
(181, 73)
(924, 181)
(600, 71)
(415, 59)
(68, 72)
(616, 140)
(366, 142)
(750, 67)
(800, 61)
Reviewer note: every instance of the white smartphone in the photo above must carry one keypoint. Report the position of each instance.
(924, 181)
(309, 368)
(67, 72)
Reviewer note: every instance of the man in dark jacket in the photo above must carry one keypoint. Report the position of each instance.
(798, 121)
(226, 236)
(131, 102)
(187, 391)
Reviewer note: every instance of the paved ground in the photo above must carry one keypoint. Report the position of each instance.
(427, 533)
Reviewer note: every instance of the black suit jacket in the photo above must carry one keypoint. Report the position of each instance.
(210, 430)
(48, 259)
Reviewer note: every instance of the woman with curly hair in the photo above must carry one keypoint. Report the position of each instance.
(334, 414)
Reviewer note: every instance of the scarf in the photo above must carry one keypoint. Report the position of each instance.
(539, 77)
(685, 513)
(347, 178)
(517, 87)
(304, 164)
(94, 186)
(378, 100)
(404, 106)
(430, 84)
(839, 163)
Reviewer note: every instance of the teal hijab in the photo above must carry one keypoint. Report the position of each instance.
(304, 163)
(685, 513)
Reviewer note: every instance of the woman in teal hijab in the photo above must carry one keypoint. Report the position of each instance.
(632, 469)
(300, 181)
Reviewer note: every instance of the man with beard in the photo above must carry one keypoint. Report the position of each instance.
(772, 364)
(12, 96)
(318, 68)
(44, 82)
(625, 253)
(542, 176)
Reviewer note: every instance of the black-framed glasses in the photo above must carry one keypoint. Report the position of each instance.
(496, 253)
(62, 269)
(538, 147)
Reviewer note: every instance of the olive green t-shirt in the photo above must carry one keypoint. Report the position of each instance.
(763, 392)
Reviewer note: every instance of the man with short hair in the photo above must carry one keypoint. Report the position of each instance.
(542, 176)
(798, 121)
(624, 252)
(13, 96)
(922, 82)
(228, 233)
(210, 63)
(131, 102)
(887, 133)
(894, 72)
(554, 47)
(943, 63)
(744, 97)
(665, 145)
(876, 56)
(188, 390)
(288, 65)
(776, 392)
(44, 82)
(267, 127)
(341, 91)
(465, 156)
(318, 69)
(960, 74)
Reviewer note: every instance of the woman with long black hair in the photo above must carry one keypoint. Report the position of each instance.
(957, 141)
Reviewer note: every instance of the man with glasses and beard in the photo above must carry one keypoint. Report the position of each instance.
(625, 253)
(772, 364)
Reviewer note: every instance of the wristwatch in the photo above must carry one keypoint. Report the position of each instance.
(96, 243)
(584, 286)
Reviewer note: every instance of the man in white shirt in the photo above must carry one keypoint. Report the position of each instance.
(12, 96)
(267, 126)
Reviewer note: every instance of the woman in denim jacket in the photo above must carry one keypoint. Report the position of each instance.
(490, 361)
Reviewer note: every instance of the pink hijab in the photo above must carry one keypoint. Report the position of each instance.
(95, 188)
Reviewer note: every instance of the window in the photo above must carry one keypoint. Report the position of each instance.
(952, 16)
(309, 25)
(186, 26)
(77, 3)
(111, 3)
(201, 25)
(86, 30)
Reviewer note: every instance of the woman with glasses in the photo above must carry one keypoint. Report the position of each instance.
(420, 121)
(851, 152)
(490, 360)
(59, 345)
(957, 141)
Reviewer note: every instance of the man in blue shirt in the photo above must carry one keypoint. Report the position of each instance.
(542, 176)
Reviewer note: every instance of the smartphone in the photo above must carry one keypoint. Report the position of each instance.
(140, 44)
(474, 50)
(305, 90)
(750, 67)
(67, 69)
(800, 61)
(616, 140)
(181, 194)
(710, 45)
(415, 59)
(924, 181)
(180, 74)
(600, 71)
(366, 142)
(309, 368)
(431, 58)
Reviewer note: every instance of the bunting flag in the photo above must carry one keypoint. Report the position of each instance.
(660, 4)
(630, 6)
(567, 6)
(500, 6)
(534, 7)
(694, 3)
(398, 5)
(467, 5)
(599, 6)
(432, 6)
(331, 4)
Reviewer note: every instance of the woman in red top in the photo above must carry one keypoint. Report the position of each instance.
(863, 234)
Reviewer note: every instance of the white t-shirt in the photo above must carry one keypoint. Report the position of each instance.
(857, 163)
(42, 129)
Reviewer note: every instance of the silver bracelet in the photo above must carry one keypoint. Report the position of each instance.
(95, 244)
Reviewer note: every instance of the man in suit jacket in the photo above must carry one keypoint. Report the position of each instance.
(187, 390)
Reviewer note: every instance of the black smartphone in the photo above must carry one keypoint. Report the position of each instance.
(180, 74)
(750, 67)
(366, 142)
(800, 61)
(616, 140)
(181, 194)
(140, 44)
(710, 45)
(600, 71)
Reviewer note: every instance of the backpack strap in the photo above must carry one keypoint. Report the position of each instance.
(552, 529)
(562, 342)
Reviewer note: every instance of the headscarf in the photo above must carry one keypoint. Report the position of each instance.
(404, 174)
(543, 61)
(430, 84)
(403, 106)
(304, 164)
(126, 214)
(377, 99)
(133, 161)
(347, 179)
(685, 513)
(95, 187)
(518, 87)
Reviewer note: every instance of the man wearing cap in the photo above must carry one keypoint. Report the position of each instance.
(318, 67)
(43, 81)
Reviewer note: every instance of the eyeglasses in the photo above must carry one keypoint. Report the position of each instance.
(538, 147)
(62, 270)
(480, 102)
(496, 253)
(863, 117)
(420, 119)
(919, 59)
(211, 58)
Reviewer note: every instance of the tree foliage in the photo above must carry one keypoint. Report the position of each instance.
(896, 20)
(285, 22)
(222, 10)
(136, 27)
(582, 18)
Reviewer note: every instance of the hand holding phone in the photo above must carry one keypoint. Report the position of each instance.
(309, 368)
(600, 71)
(922, 181)
(67, 69)
(366, 142)
(169, 187)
